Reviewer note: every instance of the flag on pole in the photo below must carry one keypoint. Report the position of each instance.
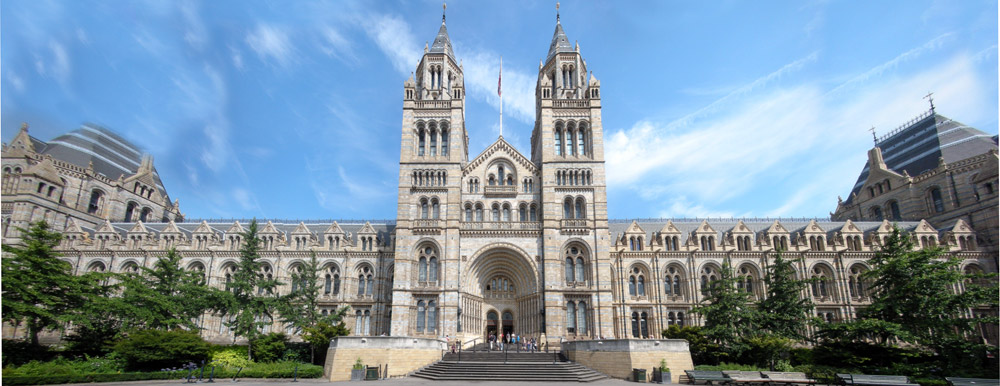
(500, 79)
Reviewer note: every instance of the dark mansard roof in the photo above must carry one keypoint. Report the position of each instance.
(652, 226)
(111, 154)
(917, 146)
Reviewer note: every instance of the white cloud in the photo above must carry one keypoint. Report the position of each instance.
(194, 33)
(60, 66)
(271, 42)
(895, 62)
(392, 35)
(335, 45)
(482, 69)
(15, 81)
(237, 58)
(799, 143)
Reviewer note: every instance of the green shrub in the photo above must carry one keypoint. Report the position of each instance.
(17, 380)
(800, 356)
(18, 352)
(156, 350)
(729, 366)
(269, 348)
(63, 366)
(271, 370)
(232, 357)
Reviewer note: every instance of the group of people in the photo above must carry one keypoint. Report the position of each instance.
(498, 342)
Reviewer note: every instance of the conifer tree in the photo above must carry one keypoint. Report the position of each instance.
(785, 312)
(300, 308)
(39, 289)
(728, 313)
(166, 296)
(251, 298)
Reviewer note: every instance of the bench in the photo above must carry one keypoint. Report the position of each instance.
(709, 377)
(787, 378)
(953, 381)
(745, 377)
(875, 380)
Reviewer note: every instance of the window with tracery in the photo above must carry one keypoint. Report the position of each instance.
(709, 275)
(366, 281)
(575, 265)
(637, 282)
(499, 287)
(672, 282)
(427, 264)
(331, 280)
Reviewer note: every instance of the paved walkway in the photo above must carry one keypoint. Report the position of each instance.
(408, 381)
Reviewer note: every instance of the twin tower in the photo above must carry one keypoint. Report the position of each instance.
(504, 241)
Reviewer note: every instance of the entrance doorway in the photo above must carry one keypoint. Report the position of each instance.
(492, 320)
(508, 323)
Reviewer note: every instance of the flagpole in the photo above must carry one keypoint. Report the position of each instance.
(501, 96)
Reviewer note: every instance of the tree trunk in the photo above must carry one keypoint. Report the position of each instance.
(33, 332)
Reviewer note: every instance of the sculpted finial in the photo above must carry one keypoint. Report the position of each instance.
(557, 12)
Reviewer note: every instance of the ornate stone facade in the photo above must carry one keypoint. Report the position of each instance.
(502, 242)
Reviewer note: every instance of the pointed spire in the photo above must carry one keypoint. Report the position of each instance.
(560, 43)
(442, 44)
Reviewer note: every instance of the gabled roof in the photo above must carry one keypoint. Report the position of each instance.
(849, 227)
(334, 229)
(235, 228)
(269, 228)
(367, 229)
(669, 227)
(560, 43)
(138, 228)
(203, 228)
(301, 228)
(504, 147)
(72, 226)
(634, 228)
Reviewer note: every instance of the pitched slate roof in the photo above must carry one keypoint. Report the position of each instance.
(220, 227)
(560, 43)
(111, 154)
(617, 227)
(915, 148)
(442, 44)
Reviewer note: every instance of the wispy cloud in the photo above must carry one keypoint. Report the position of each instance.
(15, 81)
(788, 143)
(393, 37)
(895, 62)
(271, 43)
(335, 45)
(482, 67)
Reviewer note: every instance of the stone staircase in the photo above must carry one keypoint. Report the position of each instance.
(510, 366)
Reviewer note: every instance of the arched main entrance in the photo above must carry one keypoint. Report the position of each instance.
(503, 284)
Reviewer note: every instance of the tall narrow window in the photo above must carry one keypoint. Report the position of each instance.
(129, 211)
(631, 285)
(580, 208)
(558, 140)
(533, 214)
(635, 324)
(506, 212)
(421, 315)
(500, 175)
(435, 209)
(434, 142)
(570, 317)
(581, 141)
(581, 318)
(444, 141)
(570, 141)
(568, 208)
(569, 270)
(422, 142)
(937, 200)
(95, 202)
(433, 268)
(894, 210)
(479, 212)
(579, 268)
(644, 323)
(422, 269)
(431, 316)
(468, 213)
(423, 209)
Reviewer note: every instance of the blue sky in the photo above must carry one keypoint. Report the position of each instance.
(292, 110)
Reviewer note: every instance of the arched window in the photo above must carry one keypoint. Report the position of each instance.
(423, 208)
(936, 200)
(631, 285)
(533, 213)
(96, 201)
(637, 282)
(129, 211)
(522, 212)
(422, 277)
(468, 212)
(571, 139)
(580, 208)
(570, 271)
(433, 269)
(421, 315)
(331, 284)
(876, 213)
(558, 134)
(144, 216)
(422, 141)
(708, 276)
(435, 209)
(500, 175)
(581, 140)
(568, 208)
(644, 324)
(506, 212)
(431, 316)
(444, 140)
(855, 283)
(821, 282)
(479, 212)
(581, 318)
(570, 317)
(894, 210)
(635, 324)
(579, 269)
(496, 212)
(672, 282)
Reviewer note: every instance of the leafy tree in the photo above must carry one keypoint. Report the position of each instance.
(702, 350)
(300, 308)
(784, 311)
(152, 350)
(251, 298)
(729, 315)
(320, 334)
(98, 323)
(38, 288)
(166, 296)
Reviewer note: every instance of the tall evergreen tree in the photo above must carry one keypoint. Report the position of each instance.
(728, 312)
(300, 308)
(785, 312)
(914, 300)
(38, 288)
(251, 299)
(166, 296)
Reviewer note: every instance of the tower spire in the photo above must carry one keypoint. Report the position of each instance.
(557, 12)
(444, 8)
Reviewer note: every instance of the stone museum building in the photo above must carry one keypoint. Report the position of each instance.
(514, 240)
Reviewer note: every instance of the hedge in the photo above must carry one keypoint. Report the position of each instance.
(257, 370)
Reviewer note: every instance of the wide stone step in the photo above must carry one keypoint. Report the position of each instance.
(489, 368)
